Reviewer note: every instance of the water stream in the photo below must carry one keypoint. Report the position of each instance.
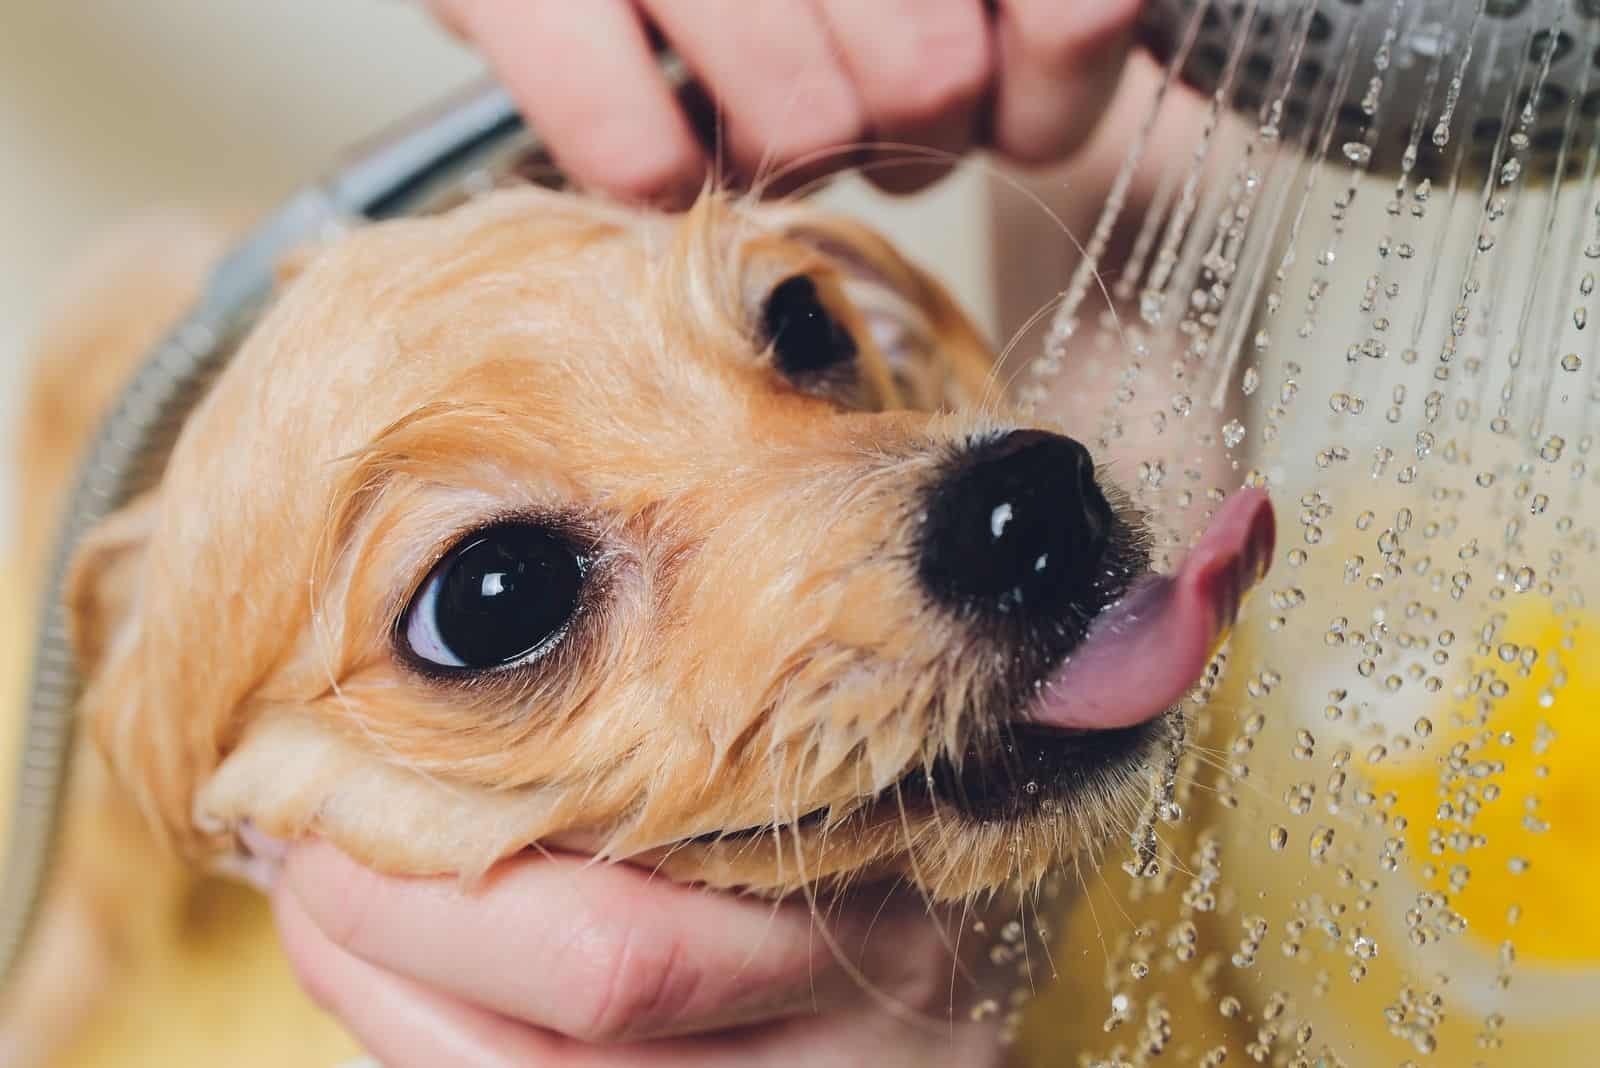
(1368, 287)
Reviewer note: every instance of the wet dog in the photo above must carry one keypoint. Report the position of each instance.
(688, 540)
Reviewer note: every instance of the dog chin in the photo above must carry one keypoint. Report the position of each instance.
(1009, 811)
(998, 817)
(998, 820)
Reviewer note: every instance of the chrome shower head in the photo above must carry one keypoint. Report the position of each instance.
(1448, 83)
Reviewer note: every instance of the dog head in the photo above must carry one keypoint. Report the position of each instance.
(686, 539)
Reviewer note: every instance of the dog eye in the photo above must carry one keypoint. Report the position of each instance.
(504, 594)
(804, 337)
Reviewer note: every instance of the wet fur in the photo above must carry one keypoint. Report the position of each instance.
(753, 673)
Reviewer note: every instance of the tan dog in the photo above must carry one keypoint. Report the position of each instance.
(680, 539)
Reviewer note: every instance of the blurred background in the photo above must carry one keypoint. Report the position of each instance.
(109, 109)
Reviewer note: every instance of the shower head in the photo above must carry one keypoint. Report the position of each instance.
(1445, 84)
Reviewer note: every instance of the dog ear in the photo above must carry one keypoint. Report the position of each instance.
(103, 597)
(935, 353)
(103, 582)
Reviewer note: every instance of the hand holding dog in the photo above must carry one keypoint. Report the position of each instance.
(556, 960)
(800, 83)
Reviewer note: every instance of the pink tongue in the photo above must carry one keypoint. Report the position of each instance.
(1144, 653)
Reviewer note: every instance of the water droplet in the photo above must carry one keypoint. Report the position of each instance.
(1150, 307)
(1278, 837)
(1232, 433)
(1357, 153)
(1571, 362)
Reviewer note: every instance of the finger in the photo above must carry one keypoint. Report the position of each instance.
(784, 94)
(1059, 64)
(400, 1022)
(920, 68)
(605, 952)
(405, 1025)
(585, 77)
(450, 14)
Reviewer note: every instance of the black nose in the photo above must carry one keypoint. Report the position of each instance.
(1017, 527)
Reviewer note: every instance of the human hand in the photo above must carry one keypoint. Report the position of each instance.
(559, 960)
(800, 83)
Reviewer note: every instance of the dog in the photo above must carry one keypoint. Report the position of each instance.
(698, 541)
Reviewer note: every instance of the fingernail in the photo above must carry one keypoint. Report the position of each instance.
(261, 844)
(260, 859)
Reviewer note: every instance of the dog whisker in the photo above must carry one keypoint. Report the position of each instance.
(888, 156)
(1094, 916)
(919, 878)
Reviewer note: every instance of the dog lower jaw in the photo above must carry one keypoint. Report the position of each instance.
(1002, 817)
(1029, 768)
(944, 855)
(297, 777)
